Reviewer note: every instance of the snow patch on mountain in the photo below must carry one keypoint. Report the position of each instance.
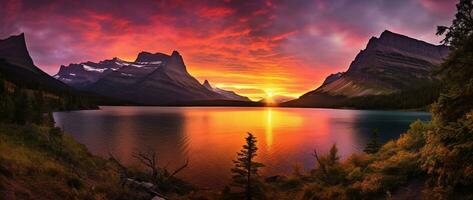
(126, 74)
(150, 63)
(151, 79)
(92, 69)
(66, 79)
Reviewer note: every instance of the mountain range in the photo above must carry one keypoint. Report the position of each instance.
(152, 79)
(393, 68)
(389, 65)
(228, 95)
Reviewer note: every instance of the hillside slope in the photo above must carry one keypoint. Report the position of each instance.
(389, 65)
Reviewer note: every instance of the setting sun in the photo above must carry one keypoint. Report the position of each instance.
(269, 93)
(269, 97)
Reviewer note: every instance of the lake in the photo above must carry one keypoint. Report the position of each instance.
(209, 137)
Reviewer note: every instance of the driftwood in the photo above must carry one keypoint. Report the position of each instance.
(158, 175)
(125, 179)
(147, 187)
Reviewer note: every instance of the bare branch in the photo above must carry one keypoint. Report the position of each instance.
(149, 160)
(146, 159)
(180, 168)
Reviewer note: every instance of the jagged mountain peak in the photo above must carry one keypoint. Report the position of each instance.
(175, 53)
(175, 65)
(207, 85)
(13, 49)
(154, 78)
(20, 38)
(117, 59)
(390, 63)
(145, 56)
(229, 95)
(389, 38)
(389, 41)
(388, 33)
(17, 62)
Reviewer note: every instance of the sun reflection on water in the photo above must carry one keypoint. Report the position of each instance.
(269, 128)
(210, 137)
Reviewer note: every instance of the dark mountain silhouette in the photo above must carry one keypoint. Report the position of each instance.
(152, 79)
(229, 95)
(390, 64)
(17, 65)
(13, 50)
(19, 71)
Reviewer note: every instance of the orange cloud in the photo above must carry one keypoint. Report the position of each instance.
(247, 46)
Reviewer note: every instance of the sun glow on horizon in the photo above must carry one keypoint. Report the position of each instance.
(269, 93)
(270, 97)
(244, 45)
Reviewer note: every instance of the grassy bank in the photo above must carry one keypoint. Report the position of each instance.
(42, 163)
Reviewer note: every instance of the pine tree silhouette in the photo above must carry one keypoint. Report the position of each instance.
(373, 145)
(245, 170)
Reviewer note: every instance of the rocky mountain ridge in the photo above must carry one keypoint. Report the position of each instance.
(17, 65)
(153, 78)
(229, 95)
(389, 64)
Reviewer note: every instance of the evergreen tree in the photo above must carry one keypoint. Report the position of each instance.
(49, 120)
(6, 108)
(457, 71)
(329, 169)
(3, 101)
(447, 156)
(333, 157)
(2, 85)
(21, 107)
(37, 107)
(462, 26)
(55, 137)
(373, 145)
(245, 170)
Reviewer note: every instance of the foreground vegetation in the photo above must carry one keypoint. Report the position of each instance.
(432, 160)
(39, 161)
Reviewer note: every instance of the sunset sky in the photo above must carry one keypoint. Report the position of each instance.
(253, 47)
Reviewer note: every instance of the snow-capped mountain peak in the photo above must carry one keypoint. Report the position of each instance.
(153, 78)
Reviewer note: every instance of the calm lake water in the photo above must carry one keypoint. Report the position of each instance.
(210, 136)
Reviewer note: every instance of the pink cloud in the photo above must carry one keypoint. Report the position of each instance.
(291, 45)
